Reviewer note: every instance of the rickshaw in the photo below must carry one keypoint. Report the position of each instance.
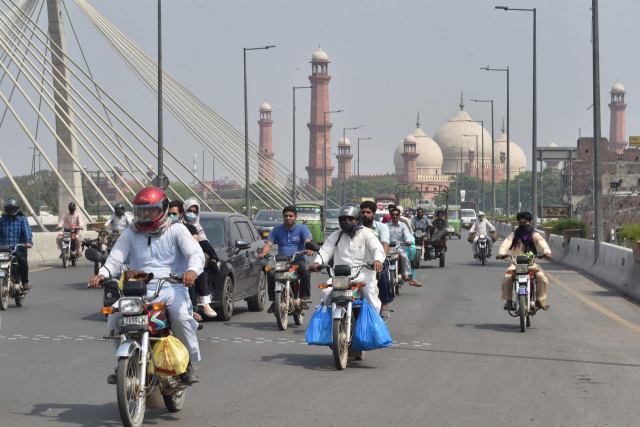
(454, 221)
(311, 214)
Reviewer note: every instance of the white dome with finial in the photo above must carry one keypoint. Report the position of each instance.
(518, 160)
(617, 87)
(429, 161)
(344, 141)
(319, 55)
(265, 106)
(552, 145)
(409, 139)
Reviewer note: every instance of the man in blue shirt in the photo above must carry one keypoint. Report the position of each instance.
(15, 229)
(290, 238)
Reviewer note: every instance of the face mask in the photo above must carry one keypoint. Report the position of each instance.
(72, 210)
(347, 226)
(174, 216)
(367, 221)
(524, 228)
(119, 213)
(191, 216)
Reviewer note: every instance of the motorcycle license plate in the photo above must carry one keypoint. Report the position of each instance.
(346, 293)
(392, 267)
(522, 290)
(135, 320)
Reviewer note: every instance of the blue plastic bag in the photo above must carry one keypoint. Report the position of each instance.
(319, 328)
(371, 332)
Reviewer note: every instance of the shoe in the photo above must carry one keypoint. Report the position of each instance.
(508, 305)
(60, 256)
(26, 286)
(542, 305)
(200, 326)
(207, 310)
(111, 379)
(272, 308)
(385, 313)
(414, 282)
(189, 377)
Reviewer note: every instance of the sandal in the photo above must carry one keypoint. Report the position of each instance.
(542, 305)
(508, 305)
(197, 317)
(304, 305)
(272, 308)
(385, 313)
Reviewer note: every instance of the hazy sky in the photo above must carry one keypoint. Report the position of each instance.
(389, 61)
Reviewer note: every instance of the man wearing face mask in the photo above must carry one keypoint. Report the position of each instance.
(72, 218)
(399, 232)
(119, 221)
(523, 240)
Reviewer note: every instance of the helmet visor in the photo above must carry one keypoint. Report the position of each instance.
(11, 210)
(145, 214)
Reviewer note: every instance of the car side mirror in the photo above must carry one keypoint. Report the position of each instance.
(93, 255)
(242, 244)
(312, 246)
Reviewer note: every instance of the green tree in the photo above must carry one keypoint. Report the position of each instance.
(28, 185)
(368, 188)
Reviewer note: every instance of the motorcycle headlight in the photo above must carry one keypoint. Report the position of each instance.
(482, 236)
(522, 269)
(5, 256)
(281, 266)
(419, 233)
(340, 282)
(130, 305)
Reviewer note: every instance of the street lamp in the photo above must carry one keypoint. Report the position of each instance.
(459, 177)
(519, 204)
(342, 191)
(493, 165)
(324, 157)
(534, 135)
(477, 175)
(246, 133)
(358, 192)
(508, 140)
(293, 191)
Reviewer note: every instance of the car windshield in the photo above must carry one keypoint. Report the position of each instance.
(269, 216)
(468, 213)
(332, 213)
(454, 214)
(309, 213)
(214, 229)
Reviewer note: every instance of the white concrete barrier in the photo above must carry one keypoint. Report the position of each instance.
(45, 248)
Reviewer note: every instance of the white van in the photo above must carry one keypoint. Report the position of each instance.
(468, 217)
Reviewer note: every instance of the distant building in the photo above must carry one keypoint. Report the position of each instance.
(266, 153)
(617, 134)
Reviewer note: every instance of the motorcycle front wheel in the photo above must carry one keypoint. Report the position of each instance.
(393, 281)
(64, 260)
(340, 347)
(174, 402)
(522, 302)
(131, 404)
(4, 294)
(19, 300)
(282, 310)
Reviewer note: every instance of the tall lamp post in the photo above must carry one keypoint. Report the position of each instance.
(534, 134)
(459, 176)
(342, 181)
(597, 150)
(324, 158)
(293, 191)
(508, 140)
(246, 133)
(358, 179)
(161, 180)
(477, 175)
(493, 165)
(519, 177)
(478, 154)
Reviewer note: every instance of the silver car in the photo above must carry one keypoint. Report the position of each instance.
(333, 224)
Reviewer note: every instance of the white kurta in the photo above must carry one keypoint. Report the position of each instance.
(119, 223)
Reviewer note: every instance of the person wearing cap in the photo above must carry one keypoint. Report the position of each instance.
(72, 218)
(119, 221)
(481, 226)
(14, 230)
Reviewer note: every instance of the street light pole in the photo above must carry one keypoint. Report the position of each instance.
(293, 191)
(597, 150)
(519, 205)
(161, 181)
(246, 134)
(508, 140)
(358, 179)
(324, 158)
(493, 164)
(534, 134)
(477, 176)
(459, 176)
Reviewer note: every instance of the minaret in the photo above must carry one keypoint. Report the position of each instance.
(344, 159)
(410, 154)
(617, 137)
(266, 155)
(319, 79)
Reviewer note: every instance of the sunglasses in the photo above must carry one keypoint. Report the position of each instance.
(395, 214)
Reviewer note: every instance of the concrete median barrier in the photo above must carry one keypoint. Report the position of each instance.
(45, 248)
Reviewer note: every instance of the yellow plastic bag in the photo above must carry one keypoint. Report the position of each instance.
(170, 357)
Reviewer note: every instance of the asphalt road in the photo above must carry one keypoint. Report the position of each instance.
(458, 359)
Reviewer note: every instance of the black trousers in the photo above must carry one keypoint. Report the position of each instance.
(23, 265)
(303, 274)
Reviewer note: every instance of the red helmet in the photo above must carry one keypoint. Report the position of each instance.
(150, 208)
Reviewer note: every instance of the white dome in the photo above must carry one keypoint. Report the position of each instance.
(552, 145)
(319, 55)
(409, 139)
(344, 141)
(617, 87)
(429, 161)
(265, 106)
(451, 135)
(518, 158)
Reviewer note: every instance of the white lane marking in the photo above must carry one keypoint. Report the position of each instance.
(238, 339)
(14, 339)
(239, 342)
(403, 343)
(36, 339)
(282, 339)
(260, 338)
(39, 335)
(200, 339)
(215, 341)
(425, 343)
(246, 340)
(395, 345)
(268, 341)
(417, 345)
(259, 342)
(17, 335)
(223, 339)
(215, 338)
(415, 342)
(2, 336)
(281, 342)
(290, 341)
(83, 336)
(100, 339)
(56, 339)
(23, 337)
(79, 339)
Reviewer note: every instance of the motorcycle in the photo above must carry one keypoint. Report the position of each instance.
(434, 249)
(419, 235)
(483, 247)
(524, 285)
(143, 323)
(395, 278)
(103, 244)
(69, 245)
(10, 285)
(287, 294)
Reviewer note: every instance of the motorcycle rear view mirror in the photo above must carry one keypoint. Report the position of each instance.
(312, 246)
(93, 255)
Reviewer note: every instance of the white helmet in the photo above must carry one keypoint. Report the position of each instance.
(401, 209)
(480, 213)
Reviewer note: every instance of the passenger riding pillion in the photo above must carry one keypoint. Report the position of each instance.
(119, 221)
(524, 240)
(399, 232)
(159, 245)
(481, 226)
(353, 246)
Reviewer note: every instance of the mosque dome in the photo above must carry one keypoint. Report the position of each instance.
(518, 158)
(265, 106)
(450, 139)
(552, 145)
(344, 141)
(319, 55)
(617, 87)
(429, 161)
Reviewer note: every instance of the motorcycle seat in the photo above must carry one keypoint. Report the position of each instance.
(5, 248)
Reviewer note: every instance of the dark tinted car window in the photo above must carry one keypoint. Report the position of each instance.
(234, 233)
(214, 229)
(254, 231)
(269, 216)
(245, 232)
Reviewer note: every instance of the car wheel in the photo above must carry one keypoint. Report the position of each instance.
(257, 302)
(228, 296)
